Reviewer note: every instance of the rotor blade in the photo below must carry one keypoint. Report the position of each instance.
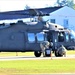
(29, 12)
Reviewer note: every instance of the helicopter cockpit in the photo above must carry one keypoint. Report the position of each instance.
(72, 35)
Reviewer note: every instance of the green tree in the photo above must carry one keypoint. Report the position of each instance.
(69, 3)
(74, 6)
(27, 7)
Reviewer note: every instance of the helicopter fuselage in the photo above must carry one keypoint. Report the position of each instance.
(23, 37)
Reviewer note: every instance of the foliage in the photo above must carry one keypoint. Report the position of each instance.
(74, 6)
(27, 7)
(69, 3)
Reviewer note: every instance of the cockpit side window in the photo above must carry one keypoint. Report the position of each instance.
(67, 36)
(72, 35)
(40, 36)
(31, 37)
(60, 37)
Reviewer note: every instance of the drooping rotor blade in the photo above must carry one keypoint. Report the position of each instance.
(21, 14)
(29, 12)
(34, 12)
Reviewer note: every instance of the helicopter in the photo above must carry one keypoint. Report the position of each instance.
(27, 36)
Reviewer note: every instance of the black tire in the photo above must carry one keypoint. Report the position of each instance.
(60, 55)
(37, 53)
(57, 54)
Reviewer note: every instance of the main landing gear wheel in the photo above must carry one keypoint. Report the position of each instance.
(37, 53)
(57, 54)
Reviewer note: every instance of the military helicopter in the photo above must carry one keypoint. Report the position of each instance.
(27, 36)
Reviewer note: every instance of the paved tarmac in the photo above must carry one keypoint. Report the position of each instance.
(34, 58)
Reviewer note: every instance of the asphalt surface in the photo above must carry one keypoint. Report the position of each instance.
(34, 58)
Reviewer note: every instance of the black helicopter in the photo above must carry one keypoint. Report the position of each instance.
(27, 36)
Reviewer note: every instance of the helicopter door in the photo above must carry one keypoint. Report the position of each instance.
(50, 37)
(15, 42)
(60, 37)
(18, 41)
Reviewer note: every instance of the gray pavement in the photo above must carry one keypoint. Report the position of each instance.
(34, 58)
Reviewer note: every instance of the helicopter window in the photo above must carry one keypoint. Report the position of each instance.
(72, 35)
(40, 36)
(31, 37)
(60, 37)
(67, 37)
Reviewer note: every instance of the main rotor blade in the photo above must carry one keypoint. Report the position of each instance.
(29, 12)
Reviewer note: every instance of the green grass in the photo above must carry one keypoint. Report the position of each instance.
(37, 66)
(71, 52)
(4, 54)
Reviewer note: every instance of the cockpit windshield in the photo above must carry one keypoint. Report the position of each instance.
(72, 34)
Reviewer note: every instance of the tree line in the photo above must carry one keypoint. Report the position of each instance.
(69, 3)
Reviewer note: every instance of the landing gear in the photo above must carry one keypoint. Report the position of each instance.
(60, 51)
(37, 53)
(57, 54)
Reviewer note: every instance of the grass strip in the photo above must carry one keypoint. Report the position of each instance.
(37, 66)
